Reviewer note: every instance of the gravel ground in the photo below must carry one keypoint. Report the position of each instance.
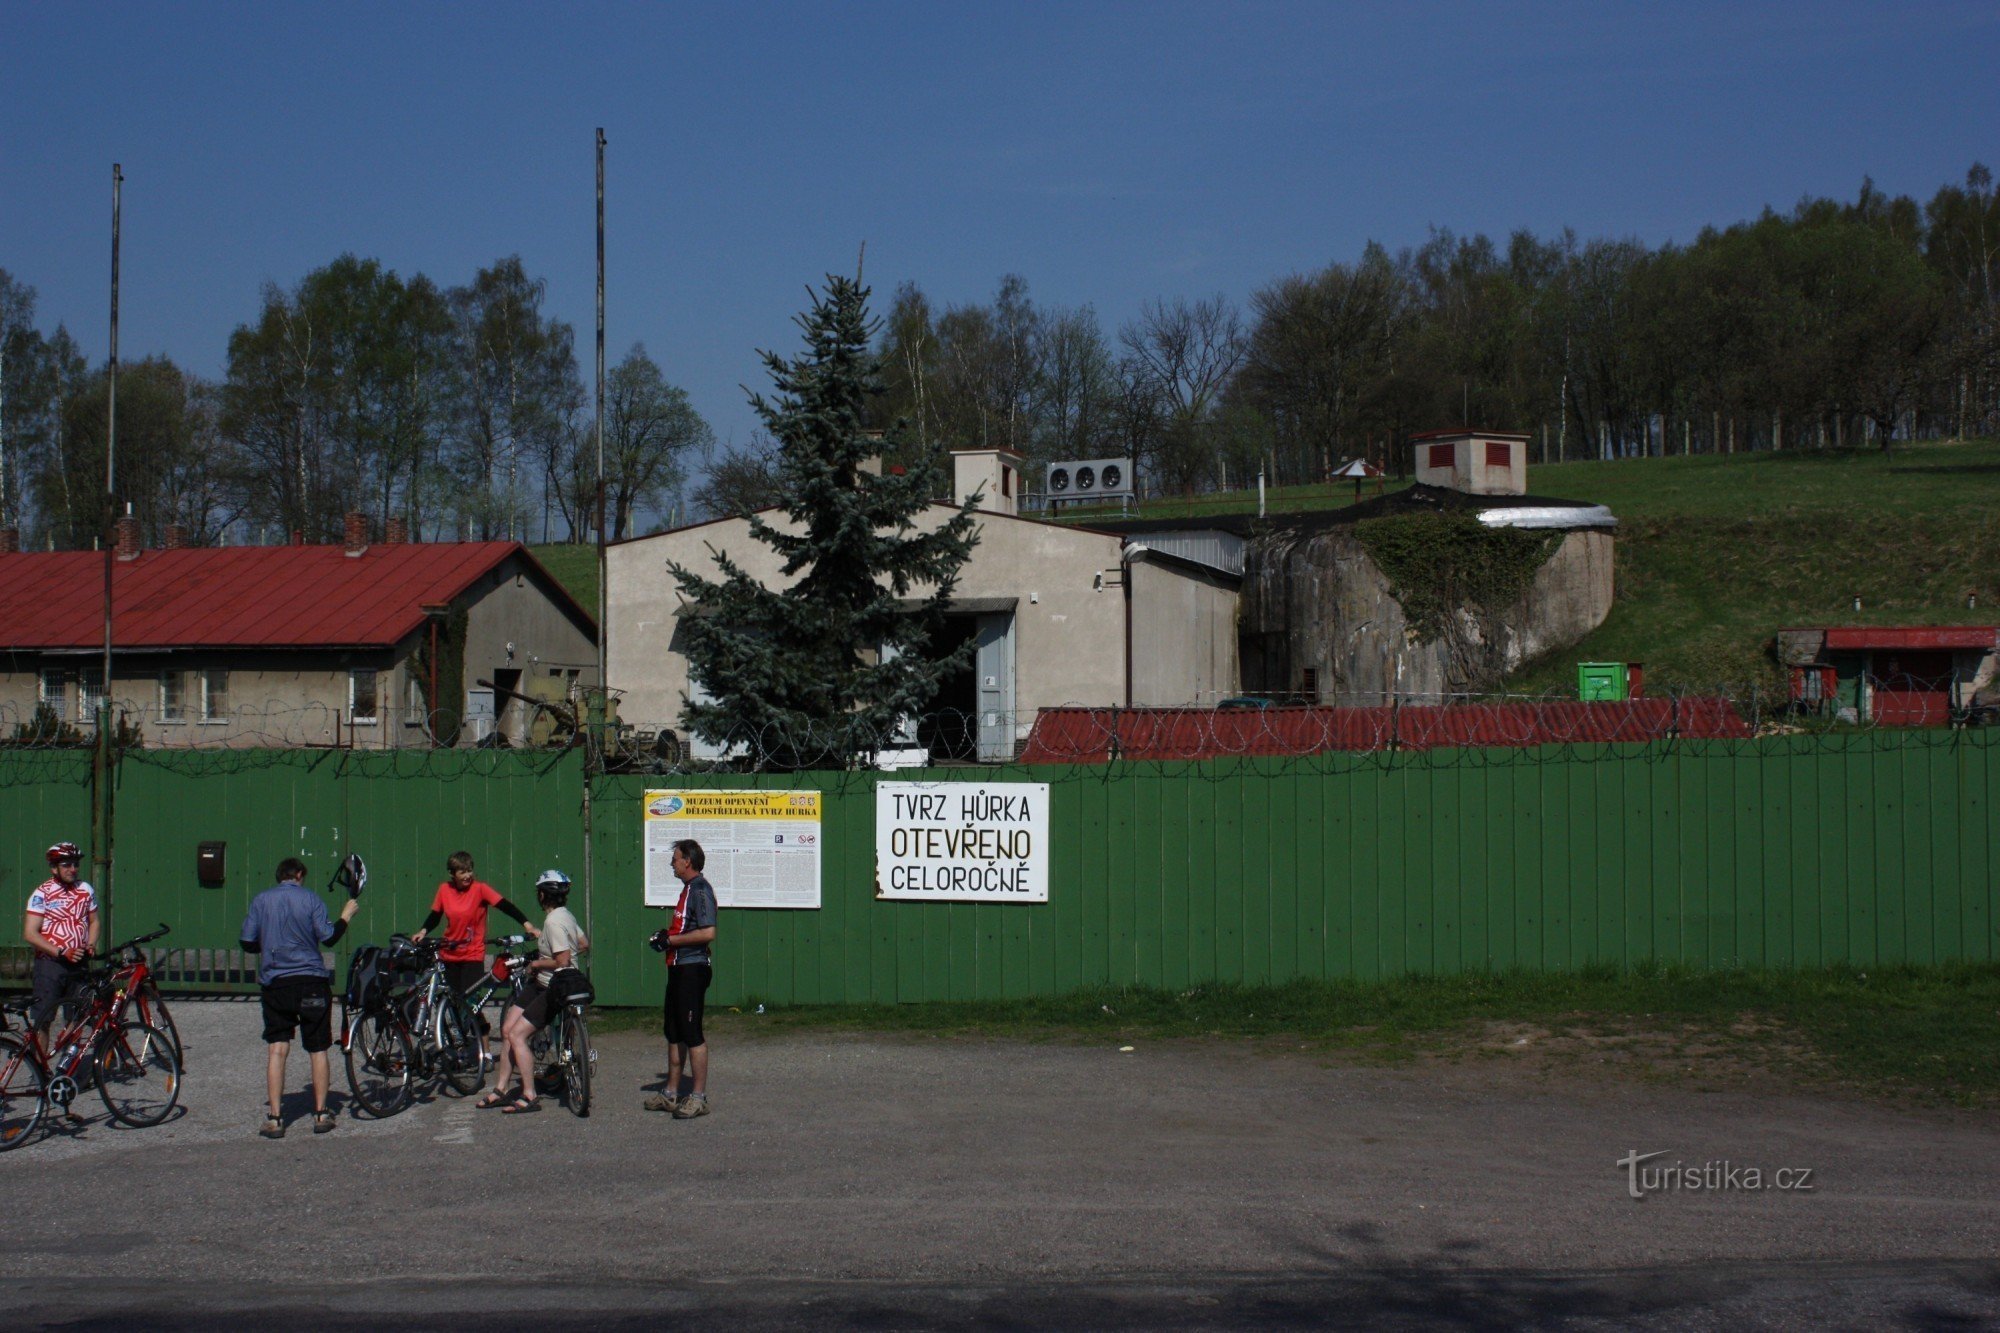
(917, 1182)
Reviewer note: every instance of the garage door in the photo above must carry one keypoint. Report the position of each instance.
(1912, 689)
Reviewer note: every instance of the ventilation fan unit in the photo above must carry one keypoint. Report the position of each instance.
(1091, 479)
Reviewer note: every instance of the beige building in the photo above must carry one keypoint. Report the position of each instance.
(1059, 614)
(1483, 462)
(370, 644)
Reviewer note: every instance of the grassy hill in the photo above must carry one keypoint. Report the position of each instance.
(575, 567)
(1715, 553)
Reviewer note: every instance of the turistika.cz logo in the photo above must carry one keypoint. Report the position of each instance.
(1721, 1177)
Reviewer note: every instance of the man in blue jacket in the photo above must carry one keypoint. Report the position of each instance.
(286, 927)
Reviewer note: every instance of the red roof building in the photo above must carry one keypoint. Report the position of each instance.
(1895, 675)
(371, 644)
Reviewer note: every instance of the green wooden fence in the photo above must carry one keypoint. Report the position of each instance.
(1873, 848)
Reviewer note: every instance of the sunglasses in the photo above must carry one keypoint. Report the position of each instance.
(70, 861)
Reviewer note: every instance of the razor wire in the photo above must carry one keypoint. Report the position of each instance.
(1242, 727)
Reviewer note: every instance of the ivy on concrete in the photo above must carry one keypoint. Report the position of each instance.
(1440, 563)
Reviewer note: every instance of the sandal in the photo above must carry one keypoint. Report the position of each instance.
(323, 1122)
(493, 1099)
(274, 1128)
(527, 1106)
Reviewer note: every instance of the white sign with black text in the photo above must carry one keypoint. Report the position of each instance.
(962, 842)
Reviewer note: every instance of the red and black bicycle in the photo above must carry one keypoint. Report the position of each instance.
(131, 1062)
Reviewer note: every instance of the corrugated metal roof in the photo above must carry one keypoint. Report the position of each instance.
(243, 596)
(1912, 636)
(1087, 735)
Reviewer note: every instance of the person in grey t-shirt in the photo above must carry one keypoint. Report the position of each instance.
(690, 966)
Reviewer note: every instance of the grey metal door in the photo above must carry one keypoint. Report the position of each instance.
(993, 661)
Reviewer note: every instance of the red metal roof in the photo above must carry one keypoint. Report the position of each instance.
(244, 596)
(1086, 735)
(1913, 637)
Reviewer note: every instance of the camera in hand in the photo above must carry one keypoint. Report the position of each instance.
(658, 940)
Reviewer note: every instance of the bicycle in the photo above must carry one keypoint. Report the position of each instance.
(446, 1021)
(142, 993)
(394, 1033)
(562, 1048)
(131, 1063)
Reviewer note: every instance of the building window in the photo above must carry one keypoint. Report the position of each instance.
(215, 695)
(54, 691)
(414, 712)
(89, 693)
(173, 696)
(361, 695)
(1440, 455)
(1499, 455)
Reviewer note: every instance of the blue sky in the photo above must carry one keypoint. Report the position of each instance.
(1108, 153)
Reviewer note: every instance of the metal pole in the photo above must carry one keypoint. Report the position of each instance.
(601, 683)
(100, 810)
(595, 724)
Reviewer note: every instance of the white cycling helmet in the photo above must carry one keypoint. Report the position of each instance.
(552, 881)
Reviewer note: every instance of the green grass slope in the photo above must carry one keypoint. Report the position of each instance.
(1717, 553)
(574, 565)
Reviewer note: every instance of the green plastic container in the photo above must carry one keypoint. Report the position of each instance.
(1600, 682)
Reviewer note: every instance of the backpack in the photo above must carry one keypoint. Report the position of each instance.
(367, 978)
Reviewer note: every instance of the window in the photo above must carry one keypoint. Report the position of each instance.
(361, 695)
(54, 693)
(1440, 455)
(1006, 480)
(89, 693)
(173, 696)
(215, 695)
(415, 714)
(1499, 455)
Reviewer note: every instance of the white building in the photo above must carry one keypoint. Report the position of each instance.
(1060, 614)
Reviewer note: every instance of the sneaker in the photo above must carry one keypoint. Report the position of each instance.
(692, 1105)
(662, 1102)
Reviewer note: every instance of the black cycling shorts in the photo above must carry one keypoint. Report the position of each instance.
(304, 1003)
(54, 979)
(464, 976)
(533, 1002)
(687, 988)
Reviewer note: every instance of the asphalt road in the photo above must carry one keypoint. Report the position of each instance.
(912, 1182)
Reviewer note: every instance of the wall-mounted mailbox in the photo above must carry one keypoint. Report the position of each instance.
(208, 867)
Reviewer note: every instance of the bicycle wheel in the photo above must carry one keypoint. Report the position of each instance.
(379, 1061)
(137, 1075)
(576, 1061)
(23, 1093)
(459, 1051)
(153, 1010)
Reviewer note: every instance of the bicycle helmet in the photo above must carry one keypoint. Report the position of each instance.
(64, 851)
(553, 883)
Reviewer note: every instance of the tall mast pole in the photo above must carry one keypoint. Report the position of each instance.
(100, 805)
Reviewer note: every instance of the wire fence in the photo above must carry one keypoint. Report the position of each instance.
(1067, 734)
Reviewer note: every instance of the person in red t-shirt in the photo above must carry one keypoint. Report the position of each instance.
(461, 903)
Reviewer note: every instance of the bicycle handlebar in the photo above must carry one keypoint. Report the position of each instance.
(137, 940)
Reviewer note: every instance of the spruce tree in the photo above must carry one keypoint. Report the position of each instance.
(822, 670)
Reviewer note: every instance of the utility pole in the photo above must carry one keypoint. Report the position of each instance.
(100, 806)
(597, 718)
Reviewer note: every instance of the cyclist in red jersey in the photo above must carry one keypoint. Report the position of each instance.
(461, 904)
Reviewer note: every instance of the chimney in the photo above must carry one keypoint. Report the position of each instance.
(298, 537)
(177, 537)
(357, 532)
(10, 541)
(397, 532)
(128, 538)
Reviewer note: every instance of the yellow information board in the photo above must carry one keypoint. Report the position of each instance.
(762, 847)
